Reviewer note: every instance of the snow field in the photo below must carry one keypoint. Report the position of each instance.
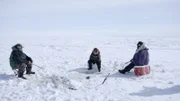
(62, 71)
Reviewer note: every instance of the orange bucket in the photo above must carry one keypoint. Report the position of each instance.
(141, 70)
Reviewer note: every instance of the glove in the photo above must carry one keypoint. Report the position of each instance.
(29, 59)
(131, 60)
(30, 63)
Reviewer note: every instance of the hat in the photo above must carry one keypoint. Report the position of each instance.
(140, 43)
(95, 51)
(19, 46)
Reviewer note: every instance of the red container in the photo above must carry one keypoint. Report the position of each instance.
(141, 70)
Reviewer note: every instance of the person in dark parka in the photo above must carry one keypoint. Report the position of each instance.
(140, 58)
(20, 61)
(95, 58)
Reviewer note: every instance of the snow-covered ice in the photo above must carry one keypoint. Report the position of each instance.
(62, 71)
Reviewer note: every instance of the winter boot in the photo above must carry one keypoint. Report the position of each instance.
(122, 71)
(99, 66)
(20, 75)
(89, 65)
(99, 69)
(23, 77)
(28, 70)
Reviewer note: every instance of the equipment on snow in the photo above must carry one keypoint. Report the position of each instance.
(37, 66)
(105, 78)
(87, 77)
(71, 88)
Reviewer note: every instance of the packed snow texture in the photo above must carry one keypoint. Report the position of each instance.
(60, 63)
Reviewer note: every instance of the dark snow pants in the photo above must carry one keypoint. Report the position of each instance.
(22, 67)
(98, 63)
(129, 67)
(28, 68)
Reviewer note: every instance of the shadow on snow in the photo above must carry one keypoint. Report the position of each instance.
(119, 75)
(85, 70)
(153, 91)
(6, 76)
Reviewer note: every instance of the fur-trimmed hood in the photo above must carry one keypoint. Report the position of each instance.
(15, 47)
(142, 47)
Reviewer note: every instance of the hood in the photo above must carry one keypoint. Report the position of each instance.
(146, 48)
(142, 47)
(95, 51)
(15, 47)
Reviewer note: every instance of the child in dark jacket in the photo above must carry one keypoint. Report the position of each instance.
(140, 58)
(95, 58)
(20, 61)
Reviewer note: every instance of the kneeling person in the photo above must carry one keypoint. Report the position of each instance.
(95, 58)
(20, 61)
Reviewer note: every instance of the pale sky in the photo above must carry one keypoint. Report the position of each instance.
(141, 17)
